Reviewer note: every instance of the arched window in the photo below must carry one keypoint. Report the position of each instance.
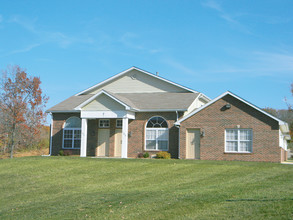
(72, 133)
(157, 134)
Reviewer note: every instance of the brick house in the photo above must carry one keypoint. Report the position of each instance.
(136, 111)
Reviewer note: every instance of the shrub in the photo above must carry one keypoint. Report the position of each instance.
(163, 155)
(61, 153)
(146, 155)
(140, 155)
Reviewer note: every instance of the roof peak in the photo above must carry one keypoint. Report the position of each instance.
(140, 70)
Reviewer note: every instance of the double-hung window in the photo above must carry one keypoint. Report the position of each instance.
(72, 133)
(157, 134)
(238, 140)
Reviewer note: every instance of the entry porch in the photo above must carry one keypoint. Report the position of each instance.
(105, 133)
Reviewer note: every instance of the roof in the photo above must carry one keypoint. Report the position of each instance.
(136, 101)
(69, 104)
(155, 101)
(140, 70)
(235, 96)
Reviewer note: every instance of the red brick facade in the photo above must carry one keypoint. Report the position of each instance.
(136, 141)
(214, 119)
(136, 138)
(57, 134)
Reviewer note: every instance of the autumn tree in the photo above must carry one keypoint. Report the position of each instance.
(21, 107)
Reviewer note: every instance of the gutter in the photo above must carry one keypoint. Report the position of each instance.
(51, 134)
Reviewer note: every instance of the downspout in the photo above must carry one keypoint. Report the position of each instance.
(51, 134)
(178, 126)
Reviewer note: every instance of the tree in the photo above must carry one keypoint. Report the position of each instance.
(21, 107)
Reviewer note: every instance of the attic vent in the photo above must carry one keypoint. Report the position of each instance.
(133, 76)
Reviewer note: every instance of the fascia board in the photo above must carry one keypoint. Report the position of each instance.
(63, 111)
(159, 110)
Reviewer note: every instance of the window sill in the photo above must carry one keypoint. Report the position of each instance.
(155, 150)
(63, 148)
(237, 152)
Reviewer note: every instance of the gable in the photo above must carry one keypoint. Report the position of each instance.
(240, 100)
(135, 81)
(103, 103)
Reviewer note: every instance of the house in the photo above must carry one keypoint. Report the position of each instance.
(136, 111)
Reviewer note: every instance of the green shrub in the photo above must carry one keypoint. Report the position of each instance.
(61, 153)
(146, 155)
(140, 155)
(163, 155)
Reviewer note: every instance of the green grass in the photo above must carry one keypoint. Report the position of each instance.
(78, 188)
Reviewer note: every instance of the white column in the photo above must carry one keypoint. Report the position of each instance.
(124, 137)
(83, 137)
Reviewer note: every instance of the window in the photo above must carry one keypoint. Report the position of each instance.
(119, 123)
(238, 140)
(72, 133)
(104, 123)
(157, 134)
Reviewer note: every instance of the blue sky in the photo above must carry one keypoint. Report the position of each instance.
(208, 45)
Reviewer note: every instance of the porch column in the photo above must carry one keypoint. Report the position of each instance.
(124, 137)
(83, 137)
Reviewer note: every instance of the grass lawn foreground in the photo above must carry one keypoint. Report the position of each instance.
(78, 188)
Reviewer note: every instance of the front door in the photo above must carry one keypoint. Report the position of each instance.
(103, 143)
(193, 144)
(118, 142)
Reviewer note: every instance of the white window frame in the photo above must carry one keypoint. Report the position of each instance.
(102, 125)
(72, 139)
(157, 139)
(238, 140)
(118, 126)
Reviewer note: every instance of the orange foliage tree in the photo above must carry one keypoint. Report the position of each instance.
(21, 107)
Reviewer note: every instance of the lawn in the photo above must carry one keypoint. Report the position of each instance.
(77, 188)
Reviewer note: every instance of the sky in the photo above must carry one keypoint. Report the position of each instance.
(210, 46)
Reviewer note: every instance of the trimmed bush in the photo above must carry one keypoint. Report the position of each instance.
(163, 155)
(146, 155)
(140, 155)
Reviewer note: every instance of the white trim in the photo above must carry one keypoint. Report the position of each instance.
(157, 140)
(221, 96)
(63, 111)
(51, 134)
(83, 137)
(124, 146)
(107, 114)
(238, 140)
(156, 129)
(160, 110)
(72, 139)
(104, 119)
(140, 70)
(117, 123)
(203, 96)
(98, 94)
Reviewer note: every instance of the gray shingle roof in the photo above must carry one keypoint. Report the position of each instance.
(139, 101)
(162, 100)
(70, 103)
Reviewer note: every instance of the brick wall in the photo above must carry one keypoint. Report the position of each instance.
(215, 119)
(57, 134)
(136, 140)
